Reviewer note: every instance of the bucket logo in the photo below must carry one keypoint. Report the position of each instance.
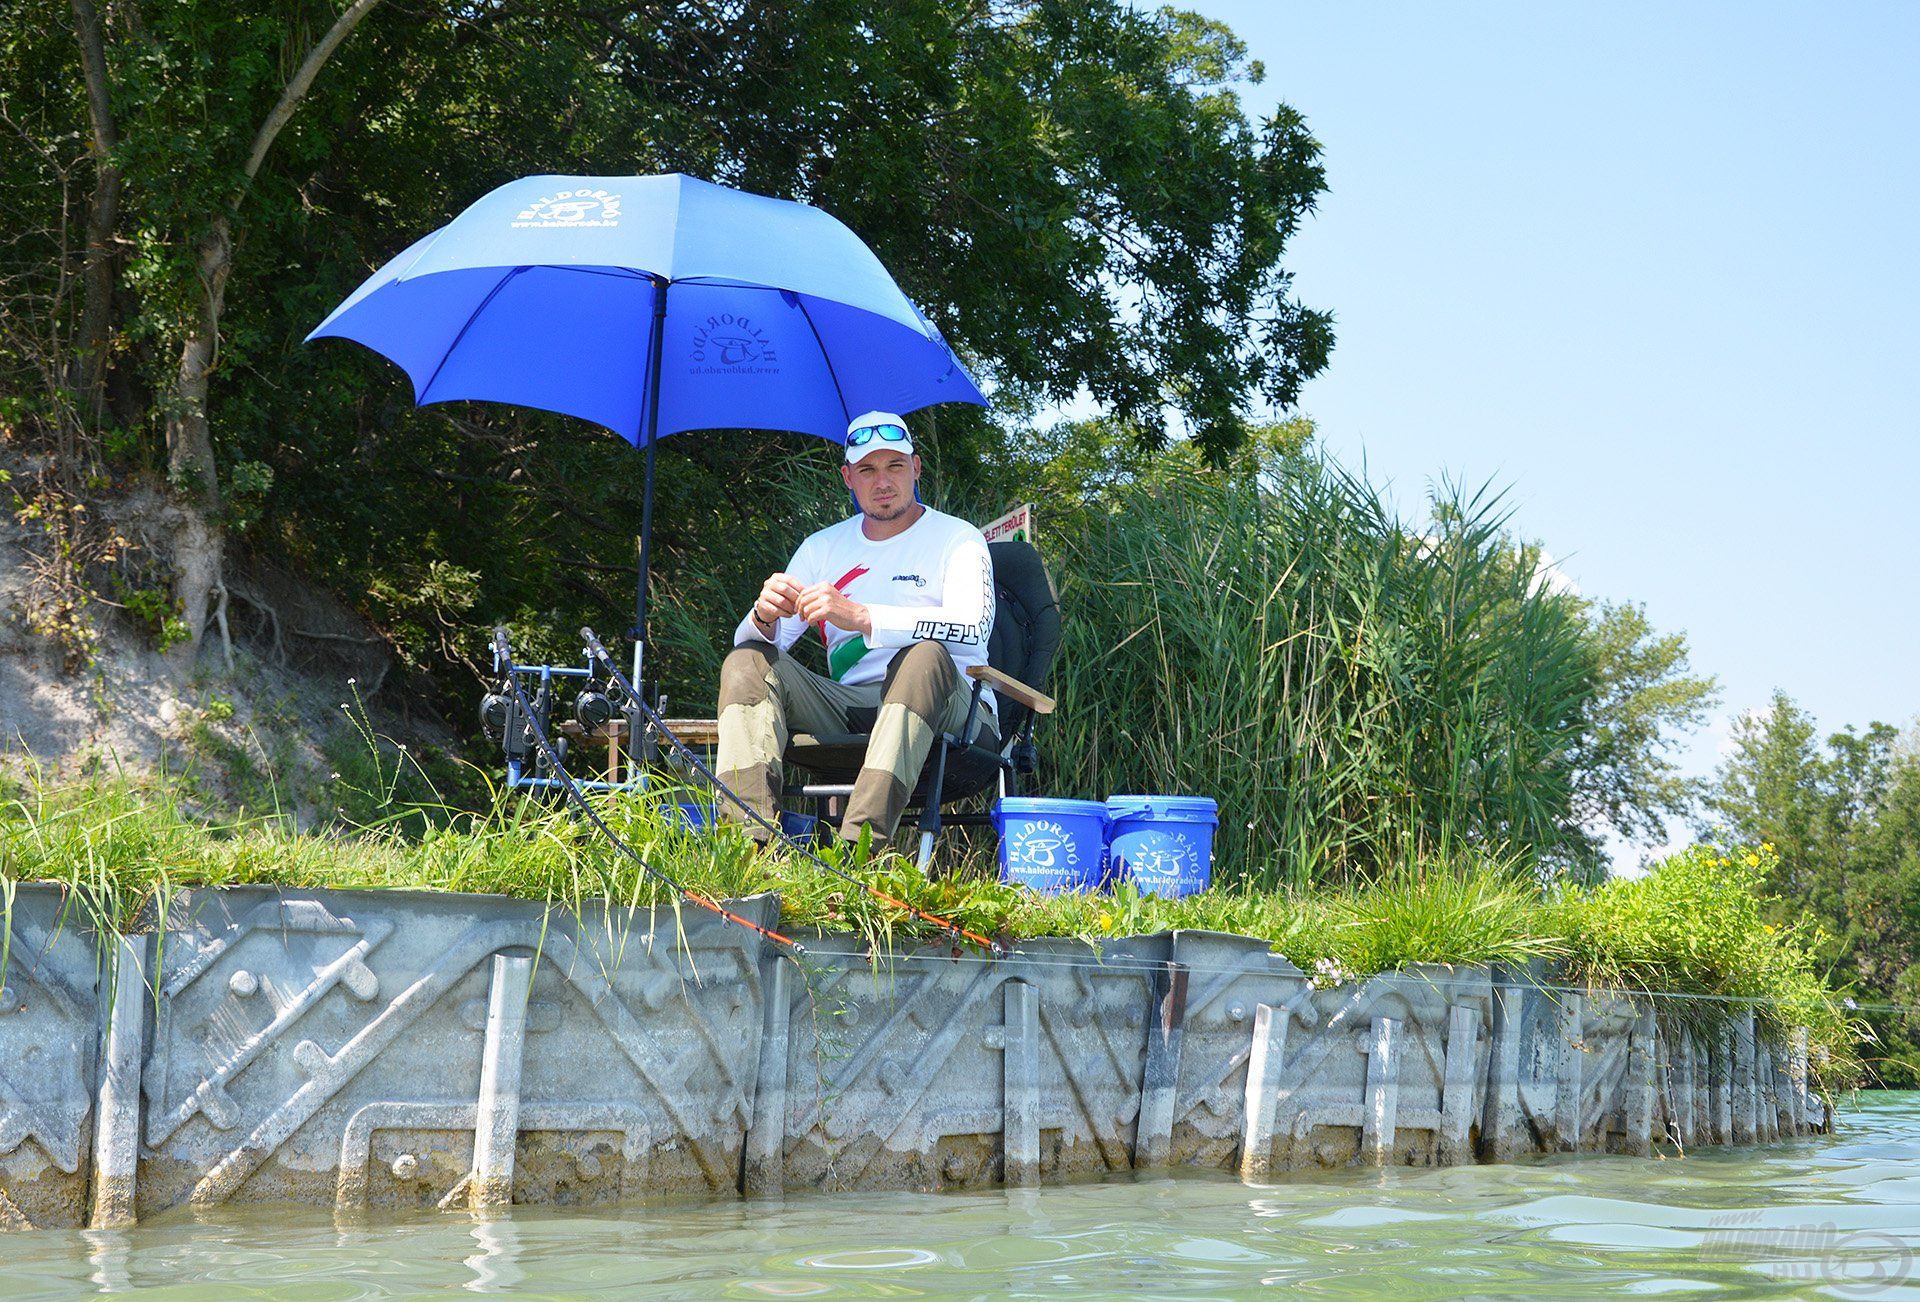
(570, 209)
(727, 343)
(1044, 847)
(1169, 859)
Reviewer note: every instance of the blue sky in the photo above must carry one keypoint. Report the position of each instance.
(1657, 268)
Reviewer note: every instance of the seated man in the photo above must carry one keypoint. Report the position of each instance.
(903, 595)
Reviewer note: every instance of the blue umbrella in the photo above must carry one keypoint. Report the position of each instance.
(653, 305)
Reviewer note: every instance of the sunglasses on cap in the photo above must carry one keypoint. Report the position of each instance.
(868, 433)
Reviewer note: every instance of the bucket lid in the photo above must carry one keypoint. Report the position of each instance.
(1047, 805)
(1192, 809)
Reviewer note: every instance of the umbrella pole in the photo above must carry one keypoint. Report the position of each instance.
(655, 346)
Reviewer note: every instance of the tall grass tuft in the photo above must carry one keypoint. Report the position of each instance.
(1360, 695)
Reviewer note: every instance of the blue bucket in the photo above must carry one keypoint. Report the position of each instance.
(691, 815)
(1162, 844)
(1051, 845)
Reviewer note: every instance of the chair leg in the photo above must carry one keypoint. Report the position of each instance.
(930, 812)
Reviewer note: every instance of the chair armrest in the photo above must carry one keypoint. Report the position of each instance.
(1008, 685)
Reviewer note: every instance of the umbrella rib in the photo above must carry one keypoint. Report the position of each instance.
(472, 316)
(846, 413)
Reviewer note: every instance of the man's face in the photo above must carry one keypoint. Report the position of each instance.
(882, 482)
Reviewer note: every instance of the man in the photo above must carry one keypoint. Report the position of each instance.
(903, 595)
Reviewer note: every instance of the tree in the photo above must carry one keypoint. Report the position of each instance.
(1069, 187)
(1844, 818)
(1643, 699)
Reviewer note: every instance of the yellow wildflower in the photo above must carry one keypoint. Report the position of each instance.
(1106, 920)
(1753, 860)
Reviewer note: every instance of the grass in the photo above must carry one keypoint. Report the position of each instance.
(123, 846)
(1363, 692)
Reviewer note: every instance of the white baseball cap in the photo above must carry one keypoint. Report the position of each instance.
(877, 430)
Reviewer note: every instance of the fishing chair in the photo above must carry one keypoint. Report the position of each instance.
(1026, 633)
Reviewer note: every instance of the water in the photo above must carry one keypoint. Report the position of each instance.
(1821, 1217)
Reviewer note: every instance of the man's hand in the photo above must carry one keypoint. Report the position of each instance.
(779, 597)
(824, 603)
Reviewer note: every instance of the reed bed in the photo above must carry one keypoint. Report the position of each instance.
(1359, 695)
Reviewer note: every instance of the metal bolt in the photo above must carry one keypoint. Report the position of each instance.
(405, 1167)
(243, 983)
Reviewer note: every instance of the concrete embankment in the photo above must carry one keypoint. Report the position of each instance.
(382, 1049)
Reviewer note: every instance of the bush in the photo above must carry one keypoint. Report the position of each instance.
(1694, 926)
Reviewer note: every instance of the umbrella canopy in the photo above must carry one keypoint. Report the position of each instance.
(653, 305)
(557, 291)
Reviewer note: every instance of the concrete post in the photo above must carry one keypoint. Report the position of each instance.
(1640, 1084)
(1720, 1078)
(1380, 1118)
(1160, 1078)
(1456, 1096)
(497, 1123)
(1570, 1095)
(1766, 1124)
(1020, 1065)
(1500, 1119)
(764, 1166)
(1746, 1118)
(1266, 1058)
(1798, 1078)
(116, 1136)
(1683, 1120)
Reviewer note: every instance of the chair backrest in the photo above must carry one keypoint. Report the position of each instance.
(1026, 624)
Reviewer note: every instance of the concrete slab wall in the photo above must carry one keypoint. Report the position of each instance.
(389, 1049)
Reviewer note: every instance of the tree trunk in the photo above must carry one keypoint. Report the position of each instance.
(198, 542)
(89, 370)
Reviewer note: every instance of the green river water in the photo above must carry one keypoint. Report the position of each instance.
(1836, 1217)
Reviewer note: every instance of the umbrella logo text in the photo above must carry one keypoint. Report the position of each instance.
(727, 341)
(571, 208)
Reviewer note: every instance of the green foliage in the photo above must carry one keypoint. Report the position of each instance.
(1070, 188)
(156, 610)
(1357, 692)
(1846, 819)
(1697, 924)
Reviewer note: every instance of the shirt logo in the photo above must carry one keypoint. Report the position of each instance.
(914, 579)
(570, 209)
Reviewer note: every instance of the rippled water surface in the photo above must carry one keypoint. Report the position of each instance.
(1836, 1217)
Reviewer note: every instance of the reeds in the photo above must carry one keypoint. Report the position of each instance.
(1358, 694)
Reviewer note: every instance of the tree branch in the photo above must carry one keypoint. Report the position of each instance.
(303, 81)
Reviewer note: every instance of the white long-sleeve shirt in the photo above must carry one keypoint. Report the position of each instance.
(932, 581)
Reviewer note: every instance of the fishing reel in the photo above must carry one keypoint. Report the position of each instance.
(599, 704)
(506, 725)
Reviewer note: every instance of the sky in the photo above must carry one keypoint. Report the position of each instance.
(1655, 268)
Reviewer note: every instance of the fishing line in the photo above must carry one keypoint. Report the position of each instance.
(599, 652)
(505, 655)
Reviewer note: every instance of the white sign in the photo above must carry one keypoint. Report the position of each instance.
(1015, 526)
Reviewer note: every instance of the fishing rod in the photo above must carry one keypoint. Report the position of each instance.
(599, 652)
(503, 659)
